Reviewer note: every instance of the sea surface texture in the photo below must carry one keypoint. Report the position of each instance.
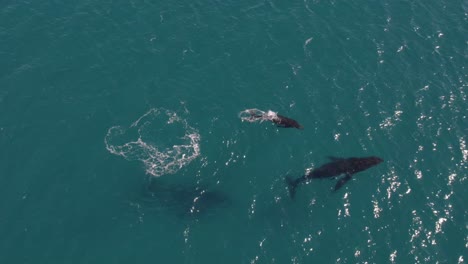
(126, 134)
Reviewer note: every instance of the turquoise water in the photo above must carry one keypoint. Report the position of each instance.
(121, 142)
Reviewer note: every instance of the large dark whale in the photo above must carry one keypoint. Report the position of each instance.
(336, 167)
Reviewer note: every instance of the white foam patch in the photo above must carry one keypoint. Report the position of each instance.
(255, 115)
(161, 139)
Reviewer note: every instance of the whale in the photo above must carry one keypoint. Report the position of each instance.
(333, 169)
(282, 121)
(279, 120)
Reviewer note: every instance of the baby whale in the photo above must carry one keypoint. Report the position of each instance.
(279, 120)
(335, 167)
(282, 121)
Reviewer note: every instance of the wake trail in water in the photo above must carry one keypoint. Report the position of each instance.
(161, 139)
(256, 115)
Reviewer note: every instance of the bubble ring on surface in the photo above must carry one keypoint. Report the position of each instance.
(150, 132)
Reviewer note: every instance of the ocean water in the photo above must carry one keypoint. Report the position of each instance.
(121, 138)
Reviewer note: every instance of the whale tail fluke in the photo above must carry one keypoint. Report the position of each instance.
(292, 184)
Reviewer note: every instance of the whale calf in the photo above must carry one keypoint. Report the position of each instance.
(279, 120)
(334, 168)
(282, 121)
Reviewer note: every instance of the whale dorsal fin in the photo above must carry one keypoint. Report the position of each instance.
(334, 158)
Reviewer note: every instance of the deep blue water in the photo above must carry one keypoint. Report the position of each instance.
(121, 141)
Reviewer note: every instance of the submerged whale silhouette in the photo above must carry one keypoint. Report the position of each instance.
(336, 167)
(183, 199)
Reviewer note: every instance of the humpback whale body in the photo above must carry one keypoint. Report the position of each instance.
(334, 168)
(254, 115)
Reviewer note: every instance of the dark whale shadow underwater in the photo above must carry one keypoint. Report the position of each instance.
(336, 167)
(184, 200)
